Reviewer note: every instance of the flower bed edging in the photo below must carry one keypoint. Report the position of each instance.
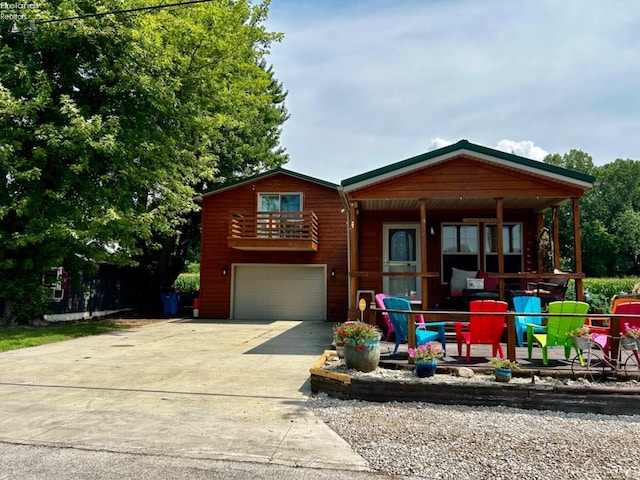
(567, 398)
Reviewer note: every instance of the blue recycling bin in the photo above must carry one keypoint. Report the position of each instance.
(170, 304)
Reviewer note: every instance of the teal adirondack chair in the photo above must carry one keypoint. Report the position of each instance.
(400, 323)
(555, 331)
(526, 304)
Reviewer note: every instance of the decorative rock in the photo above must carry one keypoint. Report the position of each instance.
(467, 443)
(465, 372)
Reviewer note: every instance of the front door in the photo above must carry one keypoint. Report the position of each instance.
(401, 253)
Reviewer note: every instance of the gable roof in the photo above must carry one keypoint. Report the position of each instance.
(476, 151)
(263, 175)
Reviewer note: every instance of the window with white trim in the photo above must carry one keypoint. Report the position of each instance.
(511, 247)
(271, 222)
(460, 248)
(279, 202)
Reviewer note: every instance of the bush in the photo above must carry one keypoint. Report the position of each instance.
(598, 291)
(187, 283)
(608, 287)
(192, 267)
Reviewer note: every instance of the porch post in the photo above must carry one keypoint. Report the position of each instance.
(423, 252)
(511, 328)
(499, 221)
(577, 242)
(354, 254)
(556, 237)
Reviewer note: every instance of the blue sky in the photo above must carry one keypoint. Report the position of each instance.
(372, 82)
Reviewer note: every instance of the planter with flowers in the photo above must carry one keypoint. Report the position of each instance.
(581, 337)
(340, 332)
(503, 369)
(426, 358)
(630, 339)
(361, 345)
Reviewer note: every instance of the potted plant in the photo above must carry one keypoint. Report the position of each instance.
(503, 369)
(340, 332)
(361, 345)
(581, 337)
(630, 339)
(426, 358)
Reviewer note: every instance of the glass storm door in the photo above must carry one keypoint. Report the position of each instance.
(401, 253)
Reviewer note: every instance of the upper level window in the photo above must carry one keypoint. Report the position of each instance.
(274, 224)
(280, 202)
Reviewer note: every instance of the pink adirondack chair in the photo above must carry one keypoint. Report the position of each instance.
(624, 307)
(482, 329)
(380, 303)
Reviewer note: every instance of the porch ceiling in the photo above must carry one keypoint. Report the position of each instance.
(516, 203)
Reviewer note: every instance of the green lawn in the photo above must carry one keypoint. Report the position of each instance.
(22, 337)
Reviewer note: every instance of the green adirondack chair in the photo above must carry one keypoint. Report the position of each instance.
(555, 331)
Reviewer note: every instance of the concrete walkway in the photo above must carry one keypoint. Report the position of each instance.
(219, 390)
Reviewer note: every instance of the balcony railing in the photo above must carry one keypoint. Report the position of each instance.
(273, 231)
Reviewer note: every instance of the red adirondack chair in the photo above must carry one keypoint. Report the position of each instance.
(483, 329)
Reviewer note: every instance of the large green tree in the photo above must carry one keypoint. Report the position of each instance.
(579, 161)
(109, 126)
(609, 216)
(615, 203)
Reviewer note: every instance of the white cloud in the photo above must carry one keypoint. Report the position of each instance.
(438, 142)
(525, 148)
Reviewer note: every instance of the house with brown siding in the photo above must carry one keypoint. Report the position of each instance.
(463, 207)
(274, 246)
(281, 245)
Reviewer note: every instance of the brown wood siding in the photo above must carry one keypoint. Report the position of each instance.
(370, 244)
(215, 289)
(463, 176)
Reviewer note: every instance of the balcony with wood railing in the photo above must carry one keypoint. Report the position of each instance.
(273, 231)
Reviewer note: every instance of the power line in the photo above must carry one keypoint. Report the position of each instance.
(129, 10)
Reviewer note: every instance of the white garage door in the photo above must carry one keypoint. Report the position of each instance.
(279, 292)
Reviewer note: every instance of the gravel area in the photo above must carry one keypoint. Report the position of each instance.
(422, 440)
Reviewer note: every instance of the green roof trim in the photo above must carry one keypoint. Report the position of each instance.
(466, 145)
(239, 181)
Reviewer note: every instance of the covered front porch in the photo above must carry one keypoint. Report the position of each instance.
(463, 207)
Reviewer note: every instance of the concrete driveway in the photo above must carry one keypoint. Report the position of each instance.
(207, 389)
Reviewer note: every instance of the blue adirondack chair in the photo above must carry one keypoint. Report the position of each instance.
(526, 304)
(400, 323)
